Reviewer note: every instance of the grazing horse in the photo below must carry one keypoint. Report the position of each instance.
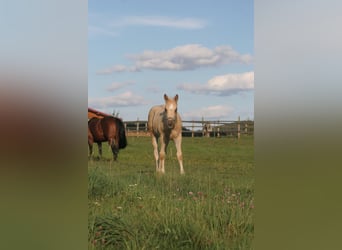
(165, 122)
(109, 129)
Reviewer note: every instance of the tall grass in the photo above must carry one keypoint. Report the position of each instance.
(211, 207)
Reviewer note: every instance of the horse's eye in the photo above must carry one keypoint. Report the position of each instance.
(165, 110)
(176, 110)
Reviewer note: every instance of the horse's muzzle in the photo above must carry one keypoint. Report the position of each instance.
(170, 122)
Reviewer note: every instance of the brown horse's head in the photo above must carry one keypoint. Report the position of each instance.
(171, 110)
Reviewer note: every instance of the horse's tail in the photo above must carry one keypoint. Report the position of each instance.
(122, 134)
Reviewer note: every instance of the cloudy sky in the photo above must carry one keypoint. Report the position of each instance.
(201, 50)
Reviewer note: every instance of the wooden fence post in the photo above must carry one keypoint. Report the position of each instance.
(193, 127)
(239, 127)
(137, 127)
(246, 128)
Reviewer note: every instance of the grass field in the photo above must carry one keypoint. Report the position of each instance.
(210, 207)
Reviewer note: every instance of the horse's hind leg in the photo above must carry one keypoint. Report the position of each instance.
(99, 144)
(115, 148)
(115, 151)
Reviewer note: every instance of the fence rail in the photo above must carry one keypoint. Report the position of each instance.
(197, 128)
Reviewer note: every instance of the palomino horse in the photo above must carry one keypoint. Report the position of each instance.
(109, 129)
(165, 122)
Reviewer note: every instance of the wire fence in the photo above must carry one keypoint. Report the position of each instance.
(196, 128)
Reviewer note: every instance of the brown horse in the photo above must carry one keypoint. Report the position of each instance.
(165, 122)
(109, 129)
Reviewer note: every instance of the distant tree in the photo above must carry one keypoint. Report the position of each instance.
(116, 113)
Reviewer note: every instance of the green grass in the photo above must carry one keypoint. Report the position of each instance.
(211, 207)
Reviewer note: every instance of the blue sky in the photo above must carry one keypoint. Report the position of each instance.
(201, 50)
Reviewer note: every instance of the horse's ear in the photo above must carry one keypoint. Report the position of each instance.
(176, 98)
(166, 97)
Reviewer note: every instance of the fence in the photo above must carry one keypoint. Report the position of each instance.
(201, 128)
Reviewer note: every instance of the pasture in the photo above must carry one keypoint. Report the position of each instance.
(210, 207)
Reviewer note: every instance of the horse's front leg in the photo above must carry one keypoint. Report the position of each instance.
(178, 143)
(90, 143)
(155, 151)
(164, 142)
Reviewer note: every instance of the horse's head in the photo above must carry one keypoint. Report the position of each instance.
(171, 110)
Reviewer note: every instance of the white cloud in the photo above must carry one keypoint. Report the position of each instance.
(186, 57)
(211, 112)
(116, 68)
(118, 85)
(102, 25)
(223, 85)
(161, 21)
(123, 100)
